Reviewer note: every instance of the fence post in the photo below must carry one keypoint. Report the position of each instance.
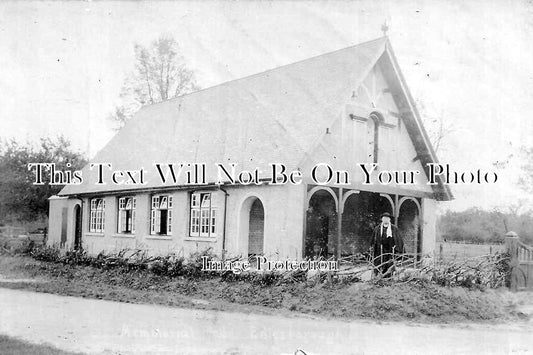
(511, 243)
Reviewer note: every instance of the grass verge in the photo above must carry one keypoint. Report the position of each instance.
(420, 301)
(14, 346)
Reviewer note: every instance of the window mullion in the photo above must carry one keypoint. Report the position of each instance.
(209, 218)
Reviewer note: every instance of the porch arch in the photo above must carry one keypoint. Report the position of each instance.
(345, 197)
(407, 198)
(252, 217)
(321, 223)
(393, 210)
(325, 188)
(409, 224)
(361, 214)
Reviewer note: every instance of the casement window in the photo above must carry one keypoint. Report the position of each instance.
(97, 215)
(203, 215)
(161, 215)
(126, 214)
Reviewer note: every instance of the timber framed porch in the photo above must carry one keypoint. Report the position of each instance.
(340, 221)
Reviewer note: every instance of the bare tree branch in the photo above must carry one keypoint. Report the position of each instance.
(438, 128)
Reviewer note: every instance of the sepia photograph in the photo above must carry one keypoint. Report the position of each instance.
(266, 177)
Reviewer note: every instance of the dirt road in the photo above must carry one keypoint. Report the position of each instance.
(96, 326)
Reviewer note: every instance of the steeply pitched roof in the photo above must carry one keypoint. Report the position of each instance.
(273, 116)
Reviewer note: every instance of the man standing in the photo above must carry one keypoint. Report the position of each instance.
(386, 244)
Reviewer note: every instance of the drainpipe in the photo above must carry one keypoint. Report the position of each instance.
(224, 231)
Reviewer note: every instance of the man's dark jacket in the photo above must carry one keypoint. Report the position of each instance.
(377, 238)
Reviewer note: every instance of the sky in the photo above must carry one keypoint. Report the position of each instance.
(62, 65)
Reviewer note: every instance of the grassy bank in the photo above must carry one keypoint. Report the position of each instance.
(13, 346)
(417, 301)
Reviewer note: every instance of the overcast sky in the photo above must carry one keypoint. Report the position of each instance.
(62, 64)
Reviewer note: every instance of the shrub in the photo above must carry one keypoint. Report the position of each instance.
(261, 279)
(170, 265)
(75, 257)
(49, 254)
(488, 271)
(194, 263)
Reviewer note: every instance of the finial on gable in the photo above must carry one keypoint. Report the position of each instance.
(384, 28)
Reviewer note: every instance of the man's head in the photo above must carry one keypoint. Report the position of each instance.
(385, 218)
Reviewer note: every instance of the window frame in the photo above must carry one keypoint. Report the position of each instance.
(122, 206)
(159, 203)
(203, 215)
(97, 215)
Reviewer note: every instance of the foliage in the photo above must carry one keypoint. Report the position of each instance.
(160, 74)
(480, 226)
(487, 271)
(15, 346)
(439, 127)
(387, 299)
(525, 181)
(195, 262)
(490, 271)
(16, 245)
(254, 278)
(20, 199)
(169, 265)
(49, 254)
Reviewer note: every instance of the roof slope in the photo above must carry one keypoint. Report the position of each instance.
(273, 116)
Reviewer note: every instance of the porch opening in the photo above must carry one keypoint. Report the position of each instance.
(321, 228)
(361, 214)
(252, 225)
(256, 234)
(409, 226)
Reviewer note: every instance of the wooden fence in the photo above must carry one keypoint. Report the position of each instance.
(16, 238)
(11, 232)
(460, 251)
(521, 262)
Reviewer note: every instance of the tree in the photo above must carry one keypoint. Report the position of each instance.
(439, 130)
(20, 199)
(160, 74)
(525, 180)
(438, 127)
(480, 226)
(521, 161)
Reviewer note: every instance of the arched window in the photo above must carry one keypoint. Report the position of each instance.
(372, 130)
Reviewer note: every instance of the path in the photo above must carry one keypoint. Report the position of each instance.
(96, 326)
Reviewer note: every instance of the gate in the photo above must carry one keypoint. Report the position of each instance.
(521, 262)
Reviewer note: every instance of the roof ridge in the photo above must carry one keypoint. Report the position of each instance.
(269, 70)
